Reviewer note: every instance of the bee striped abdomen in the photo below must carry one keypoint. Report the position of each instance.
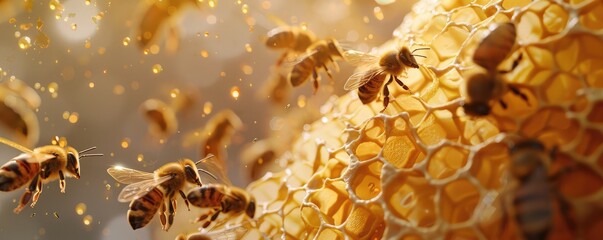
(144, 208)
(369, 91)
(206, 196)
(533, 205)
(301, 71)
(16, 173)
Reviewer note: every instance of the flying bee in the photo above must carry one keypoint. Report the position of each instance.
(221, 197)
(293, 40)
(488, 85)
(147, 192)
(318, 55)
(373, 71)
(162, 118)
(534, 194)
(38, 166)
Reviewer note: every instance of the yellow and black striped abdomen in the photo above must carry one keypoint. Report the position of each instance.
(369, 91)
(209, 195)
(144, 208)
(533, 205)
(16, 173)
(301, 71)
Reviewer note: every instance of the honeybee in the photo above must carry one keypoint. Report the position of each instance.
(38, 166)
(147, 192)
(162, 117)
(220, 197)
(484, 87)
(534, 194)
(158, 14)
(318, 55)
(373, 71)
(290, 39)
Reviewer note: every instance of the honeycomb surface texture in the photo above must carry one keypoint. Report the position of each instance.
(425, 170)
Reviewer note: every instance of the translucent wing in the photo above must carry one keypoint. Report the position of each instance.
(128, 175)
(361, 77)
(289, 63)
(138, 189)
(34, 157)
(217, 173)
(359, 59)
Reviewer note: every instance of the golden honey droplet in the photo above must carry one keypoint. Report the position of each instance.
(126, 41)
(378, 13)
(140, 157)
(91, 85)
(25, 26)
(207, 108)
(74, 117)
(53, 87)
(108, 187)
(80, 208)
(55, 5)
(88, 220)
(42, 40)
(17, 34)
(24, 42)
(248, 48)
(174, 92)
(204, 54)
(125, 143)
(154, 49)
(245, 8)
(73, 26)
(212, 3)
(301, 101)
(157, 68)
(66, 115)
(247, 70)
(235, 92)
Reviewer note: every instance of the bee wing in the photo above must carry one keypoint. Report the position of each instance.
(361, 77)
(138, 189)
(128, 175)
(298, 59)
(34, 157)
(211, 166)
(359, 59)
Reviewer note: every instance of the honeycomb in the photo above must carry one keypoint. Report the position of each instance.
(425, 170)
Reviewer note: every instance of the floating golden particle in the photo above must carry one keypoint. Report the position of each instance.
(119, 89)
(157, 68)
(235, 92)
(80, 208)
(207, 108)
(24, 42)
(74, 117)
(140, 157)
(88, 220)
(53, 87)
(247, 70)
(125, 143)
(126, 41)
(248, 48)
(378, 13)
(174, 92)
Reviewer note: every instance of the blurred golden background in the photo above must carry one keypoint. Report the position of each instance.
(85, 61)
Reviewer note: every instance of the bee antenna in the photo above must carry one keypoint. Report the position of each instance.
(208, 173)
(92, 155)
(206, 157)
(87, 150)
(425, 48)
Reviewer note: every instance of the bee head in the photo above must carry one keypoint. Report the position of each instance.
(73, 162)
(190, 170)
(478, 109)
(73, 159)
(406, 57)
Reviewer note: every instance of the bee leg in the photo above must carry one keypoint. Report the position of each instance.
(315, 76)
(162, 216)
(281, 59)
(503, 104)
(215, 216)
(327, 71)
(335, 65)
(171, 213)
(516, 91)
(26, 197)
(386, 93)
(514, 65)
(185, 200)
(402, 84)
(61, 181)
(37, 193)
